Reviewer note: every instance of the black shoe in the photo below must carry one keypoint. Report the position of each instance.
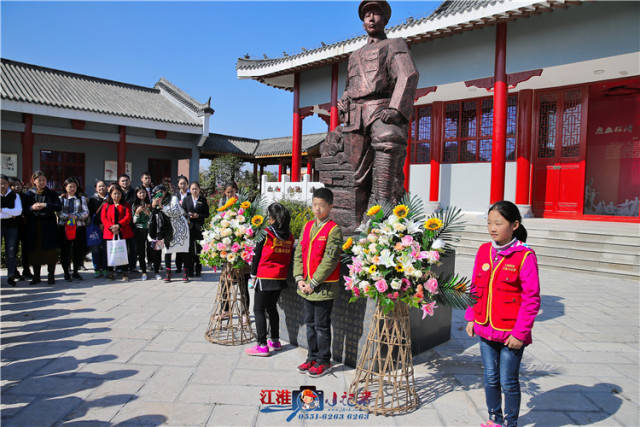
(11, 281)
(179, 270)
(27, 275)
(76, 275)
(67, 277)
(35, 281)
(51, 280)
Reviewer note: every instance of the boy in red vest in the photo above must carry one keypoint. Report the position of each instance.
(316, 269)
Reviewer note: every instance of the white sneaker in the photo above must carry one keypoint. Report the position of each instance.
(158, 276)
(144, 276)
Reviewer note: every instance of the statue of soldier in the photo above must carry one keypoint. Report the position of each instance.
(376, 108)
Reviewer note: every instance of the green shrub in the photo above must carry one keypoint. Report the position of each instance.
(300, 215)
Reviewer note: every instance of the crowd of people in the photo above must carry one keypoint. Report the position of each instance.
(153, 221)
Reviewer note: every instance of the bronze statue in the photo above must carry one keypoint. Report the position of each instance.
(375, 110)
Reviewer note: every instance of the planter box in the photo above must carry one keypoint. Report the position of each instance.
(350, 322)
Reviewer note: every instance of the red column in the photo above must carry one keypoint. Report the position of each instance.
(333, 118)
(27, 148)
(309, 167)
(499, 144)
(523, 162)
(122, 150)
(296, 148)
(407, 161)
(437, 112)
(280, 171)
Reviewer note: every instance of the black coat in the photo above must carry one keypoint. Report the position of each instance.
(46, 217)
(95, 203)
(202, 209)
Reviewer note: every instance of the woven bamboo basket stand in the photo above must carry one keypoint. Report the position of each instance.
(385, 367)
(230, 330)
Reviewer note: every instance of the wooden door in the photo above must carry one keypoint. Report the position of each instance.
(559, 169)
(159, 169)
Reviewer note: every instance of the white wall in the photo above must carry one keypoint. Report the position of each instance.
(419, 180)
(315, 86)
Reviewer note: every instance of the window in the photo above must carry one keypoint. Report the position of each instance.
(60, 165)
(468, 129)
(421, 135)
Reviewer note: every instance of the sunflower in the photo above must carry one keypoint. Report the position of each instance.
(372, 269)
(433, 224)
(373, 210)
(399, 268)
(347, 244)
(401, 211)
(227, 205)
(257, 220)
(245, 205)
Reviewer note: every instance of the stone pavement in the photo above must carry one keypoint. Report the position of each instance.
(113, 353)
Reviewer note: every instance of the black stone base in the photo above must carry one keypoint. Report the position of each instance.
(350, 322)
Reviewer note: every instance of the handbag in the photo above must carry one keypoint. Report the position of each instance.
(117, 252)
(70, 229)
(94, 237)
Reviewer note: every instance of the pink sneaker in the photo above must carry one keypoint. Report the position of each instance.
(274, 345)
(489, 424)
(258, 350)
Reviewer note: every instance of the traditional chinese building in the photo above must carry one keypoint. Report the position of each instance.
(532, 101)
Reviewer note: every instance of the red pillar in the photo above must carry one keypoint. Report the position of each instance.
(122, 150)
(407, 161)
(437, 117)
(309, 167)
(27, 148)
(280, 171)
(523, 162)
(499, 144)
(333, 117)
(296, 149)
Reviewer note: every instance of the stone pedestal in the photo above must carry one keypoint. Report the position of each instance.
(525, 211)
(348, 205)
(349, 322)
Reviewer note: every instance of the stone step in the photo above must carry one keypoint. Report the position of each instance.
(606, 247)
(569, 263)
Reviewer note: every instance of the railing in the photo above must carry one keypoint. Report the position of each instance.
(284, 189)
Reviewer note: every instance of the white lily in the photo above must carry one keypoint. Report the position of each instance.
(438, 244)
(386, 258)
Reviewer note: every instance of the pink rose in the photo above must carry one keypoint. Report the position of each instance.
(235, 247)
(433, 257)
(220, 246)
(381, 285)
(407, 240)
(393, 295)
(406, 284)
(206, 247)
(432, 286)
(427, 309)
(240, 211)
(356, 291)
(249, 232)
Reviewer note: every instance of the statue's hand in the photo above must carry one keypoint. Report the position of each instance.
(341, 107)
(392, 116)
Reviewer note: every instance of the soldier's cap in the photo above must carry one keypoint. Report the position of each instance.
(383, 4)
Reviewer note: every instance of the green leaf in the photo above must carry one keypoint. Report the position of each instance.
(454, 291)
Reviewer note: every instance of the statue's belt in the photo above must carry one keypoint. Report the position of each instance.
(371, 101)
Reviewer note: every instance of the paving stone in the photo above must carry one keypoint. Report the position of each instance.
(544, 418)
(143, 412)
(43, 412)
(593, 419)
(233, 415)
(166, 384)
(166, 359)
(166, 341)
(221, 394)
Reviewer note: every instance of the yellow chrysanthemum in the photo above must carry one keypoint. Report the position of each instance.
(373, 210)
(257, 220)
(401, 211)
(245, 205)
(227, 205)
(399, 268)
(433, 224)
(347, 244)
(373, 269)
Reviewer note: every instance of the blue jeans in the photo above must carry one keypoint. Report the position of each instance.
(501, 371)
(10, 237)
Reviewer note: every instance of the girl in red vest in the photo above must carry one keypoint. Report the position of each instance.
(116, 219)
(269, 272)
(505, 281)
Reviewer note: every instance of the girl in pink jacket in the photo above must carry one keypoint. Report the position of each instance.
(505, 282)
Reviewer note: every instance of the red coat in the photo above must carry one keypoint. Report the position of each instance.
(498, 288)
(313, 250)
(275, 258)
(108, 215)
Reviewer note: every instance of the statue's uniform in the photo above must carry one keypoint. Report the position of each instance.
(381, 75)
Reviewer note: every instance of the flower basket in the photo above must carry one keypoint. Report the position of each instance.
(229, 322)
(391, 262)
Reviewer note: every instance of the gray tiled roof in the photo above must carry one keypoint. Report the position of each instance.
(228, 144)
(47, 86)
(275, 146)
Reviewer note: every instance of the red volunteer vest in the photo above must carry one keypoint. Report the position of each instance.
(276, 257)
(313, 250)
(498, 288)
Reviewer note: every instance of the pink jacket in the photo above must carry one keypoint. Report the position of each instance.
(529, 306)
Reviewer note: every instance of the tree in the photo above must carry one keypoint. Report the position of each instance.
(223, 169)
